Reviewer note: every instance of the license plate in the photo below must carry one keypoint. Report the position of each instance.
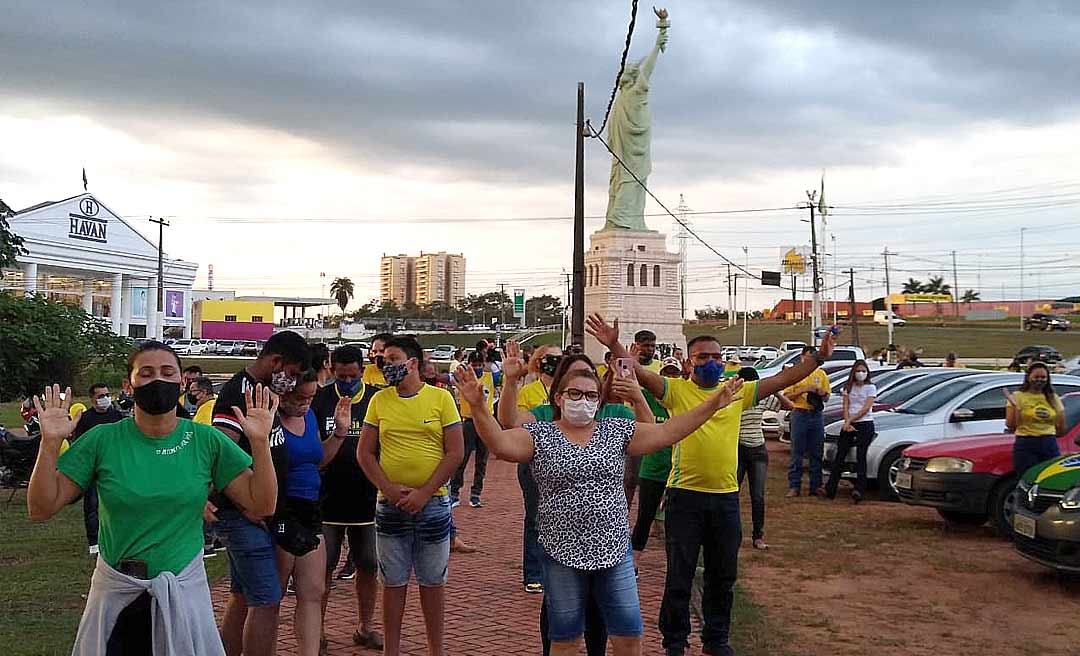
(903, 479)
(1025, 526)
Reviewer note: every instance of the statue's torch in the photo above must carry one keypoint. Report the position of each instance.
(663, 23)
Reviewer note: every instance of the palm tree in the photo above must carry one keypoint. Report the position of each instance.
(342, 291)
(969, 296)
(913, 286)
(936, 285)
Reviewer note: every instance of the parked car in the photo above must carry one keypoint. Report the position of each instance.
(224, 346)
(1040, 353)
(842, 358)
(907, 388)
(969, 479)
(881, 318)
(1045, 321)
(188, 347)
(1046, 514)
(766, 353)
(249, 348)
(210, 346)
(443, 352)
(969, 405)
(791, 346)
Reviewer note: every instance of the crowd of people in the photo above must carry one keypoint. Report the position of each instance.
(306, 453)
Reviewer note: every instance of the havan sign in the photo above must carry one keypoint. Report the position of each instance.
(86, 225)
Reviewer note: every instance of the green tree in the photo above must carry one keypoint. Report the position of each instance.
(936, 285)
(913, 286)
(46, 341)
(11, 244)
(342, 291)
(970, 296)
(543, 310)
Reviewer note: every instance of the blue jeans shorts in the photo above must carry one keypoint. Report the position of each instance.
(566, 591)
(252, 565)
(419, 542)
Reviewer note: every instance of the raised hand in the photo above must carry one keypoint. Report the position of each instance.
(606, 334)
(514, 367)
(471, 389)
(52, 412)
(259, 419)
(343, 416)
(727, 393)
(828, 343)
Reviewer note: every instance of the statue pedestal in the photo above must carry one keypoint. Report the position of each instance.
(631, 276)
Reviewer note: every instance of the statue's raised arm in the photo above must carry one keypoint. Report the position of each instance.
(649, 62)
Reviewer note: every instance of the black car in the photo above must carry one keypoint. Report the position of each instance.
(1030, 354)
(1044, 321)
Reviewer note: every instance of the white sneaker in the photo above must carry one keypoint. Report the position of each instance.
(93, 550)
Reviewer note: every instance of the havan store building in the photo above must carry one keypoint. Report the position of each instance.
(81, 251)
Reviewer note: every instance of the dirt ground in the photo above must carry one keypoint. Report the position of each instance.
(887, 578)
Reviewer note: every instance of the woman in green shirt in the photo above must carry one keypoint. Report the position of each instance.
(153, 472)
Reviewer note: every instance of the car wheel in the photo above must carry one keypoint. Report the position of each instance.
(999, 506)
(963, 518)
(887, 474)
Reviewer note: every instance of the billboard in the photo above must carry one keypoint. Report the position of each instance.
(519, 303)
(174, 304)
(138, 302)
(794, 261)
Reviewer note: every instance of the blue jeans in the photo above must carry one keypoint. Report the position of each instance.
(807, 439)
(696, 523)
(567, 591)
(407, 543)
(1030, 451)
(252, 561)
(530, 548)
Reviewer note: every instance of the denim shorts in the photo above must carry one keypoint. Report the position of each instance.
(252, 565)
(420, 542)
(566, 592)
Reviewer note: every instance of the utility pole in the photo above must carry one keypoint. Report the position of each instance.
(851, 307)
(159, 329)
(956, 288)
(683, 235)
(888, 306)
(815, 307)
(746, 294)
(1022, 278)
(577, 334)
(564, 309)
(835, 315)
(502, 293)
(730, 307)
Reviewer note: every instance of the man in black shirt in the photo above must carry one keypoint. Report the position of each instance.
(101, 412)
(348, 497)
(256, 590)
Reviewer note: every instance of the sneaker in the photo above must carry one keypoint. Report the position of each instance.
(93, 550)
(454, 502)
(219, 546)
(475, 502)
(820, 493)
(534, 588)
(289, 589)
(759, 543)
(208, 551)
(348, 572)
(792, 493)
(856, 496)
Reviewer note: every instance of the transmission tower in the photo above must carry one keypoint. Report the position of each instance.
(683, 235)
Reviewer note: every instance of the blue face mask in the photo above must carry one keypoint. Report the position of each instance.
(350, 388)
(709, 374)
(479, 372)
(395, 373)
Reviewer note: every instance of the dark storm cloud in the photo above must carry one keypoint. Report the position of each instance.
(486, 90)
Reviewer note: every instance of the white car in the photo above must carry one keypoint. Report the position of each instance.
(766, 353)
(189, 347)
(969, 405)
(443, 352)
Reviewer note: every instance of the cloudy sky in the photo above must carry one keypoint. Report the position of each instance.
(287, 139)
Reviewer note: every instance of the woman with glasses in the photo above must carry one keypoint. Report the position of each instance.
(577, 462)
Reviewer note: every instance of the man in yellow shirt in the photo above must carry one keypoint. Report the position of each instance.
(409, 447)
(373, 372)
(202, 392)
(702, 503)
(808, 396)
(474, 446)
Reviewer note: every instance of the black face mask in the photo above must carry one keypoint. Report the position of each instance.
(380, 361)
(549, 364)
(157, 397)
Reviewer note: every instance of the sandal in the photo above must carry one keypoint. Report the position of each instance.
(372, 639)
(759, 543)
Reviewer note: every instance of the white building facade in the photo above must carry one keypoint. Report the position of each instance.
(80, 250)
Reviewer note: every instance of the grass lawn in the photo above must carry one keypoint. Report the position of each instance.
(752, 631)
(46, 574)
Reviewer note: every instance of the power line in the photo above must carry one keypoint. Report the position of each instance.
(622, 63)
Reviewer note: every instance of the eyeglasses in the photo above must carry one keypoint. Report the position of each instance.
(702, 358)
(574, 394)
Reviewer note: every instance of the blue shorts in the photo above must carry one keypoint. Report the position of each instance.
(419, 542)
(252, 565)
(567, 590)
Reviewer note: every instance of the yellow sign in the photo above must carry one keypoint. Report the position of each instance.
(927, 298)
(794, 262)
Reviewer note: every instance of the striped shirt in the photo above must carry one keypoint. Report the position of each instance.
(750, 433)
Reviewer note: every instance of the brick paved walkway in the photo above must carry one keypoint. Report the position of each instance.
(487, 611)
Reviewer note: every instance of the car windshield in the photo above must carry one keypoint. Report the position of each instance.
(790, 356)
(1072, 410)
(937, 396)
(912, 388)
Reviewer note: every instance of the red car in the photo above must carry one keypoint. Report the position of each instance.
(968, 479)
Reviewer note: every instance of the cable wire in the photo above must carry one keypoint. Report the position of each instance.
(622, 64)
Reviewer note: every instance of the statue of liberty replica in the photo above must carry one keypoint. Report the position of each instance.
(630, 135)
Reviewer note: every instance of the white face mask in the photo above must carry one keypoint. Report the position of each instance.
(580, 412)
(103, 403)
(860, 376)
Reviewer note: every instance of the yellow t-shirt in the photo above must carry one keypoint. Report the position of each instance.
(373, 376)
(205, 413)
(1037, 415)
(654, 365)
(797, 392)
(411, 432)
(488, 381)
(707, 459)
(601, 371)
(532, 395)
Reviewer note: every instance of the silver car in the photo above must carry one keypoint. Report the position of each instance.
(969, 405)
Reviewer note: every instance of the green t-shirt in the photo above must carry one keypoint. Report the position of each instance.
(607, 411)
(152, 491)
(656, 466)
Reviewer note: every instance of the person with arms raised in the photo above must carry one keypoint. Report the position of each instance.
(702, 504)
(149, 593)
(410, 445)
